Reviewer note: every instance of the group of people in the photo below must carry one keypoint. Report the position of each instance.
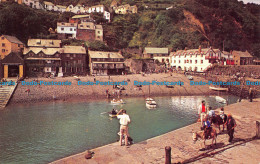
(206, 116)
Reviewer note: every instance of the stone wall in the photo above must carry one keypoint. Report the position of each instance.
(140, 65)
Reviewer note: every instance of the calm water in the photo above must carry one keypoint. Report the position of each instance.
(42, 133)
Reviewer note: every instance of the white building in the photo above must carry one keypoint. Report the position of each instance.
(35, 4)
(98, 9)
(49, 6)
(69, 30)
(78, 9)
(61, 8)
(195, 59)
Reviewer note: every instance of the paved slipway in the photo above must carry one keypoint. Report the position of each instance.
(244, 149)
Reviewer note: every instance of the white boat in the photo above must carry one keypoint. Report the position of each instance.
(117, 101)
(190, 77)
(151, 104)
(218, 89)
(221, 100)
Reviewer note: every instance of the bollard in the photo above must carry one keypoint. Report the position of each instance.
(257, 129)
(167, 155)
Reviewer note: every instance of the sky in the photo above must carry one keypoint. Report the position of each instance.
(251, 1)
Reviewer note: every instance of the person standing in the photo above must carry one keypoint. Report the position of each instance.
(202, 111)
(231, 124)
(124, 121)
(250, 95)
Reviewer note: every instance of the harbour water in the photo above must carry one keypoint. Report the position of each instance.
(41, 133)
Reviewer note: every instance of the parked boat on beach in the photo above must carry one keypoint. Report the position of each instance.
(221, 100)
(218, 89)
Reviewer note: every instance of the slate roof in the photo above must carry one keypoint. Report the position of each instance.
(102, 54)
(12, 39)
(154, 50)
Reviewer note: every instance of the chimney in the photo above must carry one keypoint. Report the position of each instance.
(200, 49)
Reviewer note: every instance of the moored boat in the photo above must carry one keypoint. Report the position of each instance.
(117, 101)
(218, 89)
(151, 104)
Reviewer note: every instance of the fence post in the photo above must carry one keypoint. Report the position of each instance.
(167, 155)
(257, 129)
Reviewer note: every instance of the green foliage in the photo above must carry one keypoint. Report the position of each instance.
(64, 17)
(24, 22)
(73, 42)
(98, 46)
(99, 18)
(119, 33)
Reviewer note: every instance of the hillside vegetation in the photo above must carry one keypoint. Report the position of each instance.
(190, 23)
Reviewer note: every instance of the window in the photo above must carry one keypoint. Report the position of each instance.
(174, 61)
(98, 32)
(74, 55)
(187, 61)
(190, 61)
(98, 37)
(196, 61)
(68, 55)
(3, 44)
(184, 61)
(179, 61)
(74, 29)
(201, 61)
(70, 29)
(3, 50)
(62, 29)
(3, 38)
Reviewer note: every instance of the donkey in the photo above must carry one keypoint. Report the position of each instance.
(201, 135)
(217, 120)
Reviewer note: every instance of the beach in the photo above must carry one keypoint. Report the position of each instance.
(76, 92)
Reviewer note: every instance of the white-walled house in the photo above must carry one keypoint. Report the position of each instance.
(49, 6)
(67, 30)
(35, 4)
(195, 59)
(61, 8)
(98, 9)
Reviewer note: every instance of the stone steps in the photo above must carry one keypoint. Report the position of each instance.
(5, 94)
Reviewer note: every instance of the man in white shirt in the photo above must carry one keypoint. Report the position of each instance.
(124, 121)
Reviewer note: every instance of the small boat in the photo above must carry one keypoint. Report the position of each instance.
(117, 101)
(190, 77)
(221, 100)
(218, 89)
(151, 104)
(169, 86)
(112, 115)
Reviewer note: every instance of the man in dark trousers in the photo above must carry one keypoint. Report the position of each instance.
(231, 124)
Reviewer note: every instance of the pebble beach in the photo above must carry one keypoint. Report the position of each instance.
(75, 92)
